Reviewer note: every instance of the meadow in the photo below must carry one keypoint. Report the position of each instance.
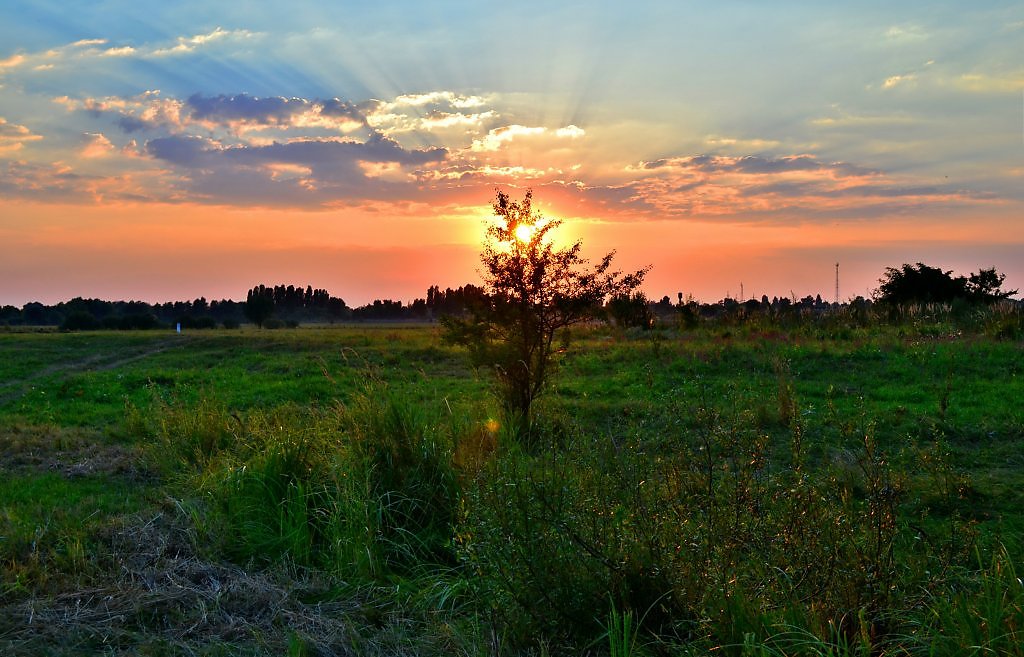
(730, 489)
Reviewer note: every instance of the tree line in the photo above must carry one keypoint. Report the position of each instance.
(291, 305)
(269, 306)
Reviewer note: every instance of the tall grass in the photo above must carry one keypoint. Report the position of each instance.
(715, 536)
(364, 490)
(739, 528)
(985, 617)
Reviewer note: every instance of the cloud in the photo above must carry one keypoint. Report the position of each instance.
(96, 145)
(50, 182)
(145, 111)
(438, 120)
(983, 83)
(906, 34)
(123, 51)
(12, 62)
(85, 50)
(738, 144)
(189, 44)
(13, 137)
(497, 138)
(896, 80)
(940, 78)
(570, 132)
(243, 112)
(316, 153)
(848, 120)
(307, 172)
(457, 101)
(187, 151)
(801, 185)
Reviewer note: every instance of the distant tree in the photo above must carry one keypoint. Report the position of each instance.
(630, 311)
(80, 320)
(532, 290)
(259, 305)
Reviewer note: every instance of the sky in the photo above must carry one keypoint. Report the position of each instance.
(170, 150)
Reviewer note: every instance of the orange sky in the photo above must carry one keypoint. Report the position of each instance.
(361, 254)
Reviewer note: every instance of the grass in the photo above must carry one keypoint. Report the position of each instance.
(350, 490)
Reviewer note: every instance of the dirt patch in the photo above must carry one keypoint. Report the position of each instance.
(73, 452)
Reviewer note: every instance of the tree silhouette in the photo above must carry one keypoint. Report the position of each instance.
(531, 291)
(923, 284)
(259, 305)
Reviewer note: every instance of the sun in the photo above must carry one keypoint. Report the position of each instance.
(524, 232)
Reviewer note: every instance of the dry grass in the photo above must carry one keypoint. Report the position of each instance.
(167, 599)
(70, 451)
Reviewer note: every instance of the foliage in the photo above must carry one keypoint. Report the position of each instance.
(532, 291)
(630, 311)
(923, 284)
(80, 320)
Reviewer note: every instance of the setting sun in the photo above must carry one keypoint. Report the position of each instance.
(524, 232)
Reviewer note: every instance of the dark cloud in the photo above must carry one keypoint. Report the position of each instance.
(274, 110)
(181, 150)
(330, 152)
(130, 124)
(244, 107)
(190, 151)
(327, 170)
(341, 108)
(755, 164)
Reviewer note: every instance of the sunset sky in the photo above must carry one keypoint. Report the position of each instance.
(170, 150)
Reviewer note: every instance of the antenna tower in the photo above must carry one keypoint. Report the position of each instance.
(837, 283)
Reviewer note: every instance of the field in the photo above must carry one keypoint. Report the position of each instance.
(353, 490)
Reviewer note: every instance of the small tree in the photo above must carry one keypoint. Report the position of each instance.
(532, 290)
(986, 286)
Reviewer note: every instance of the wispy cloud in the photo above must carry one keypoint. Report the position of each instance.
(13, 137)
(800, 185)
(189, 44)
(92, 49)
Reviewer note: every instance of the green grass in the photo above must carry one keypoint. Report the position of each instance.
(687, 490)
